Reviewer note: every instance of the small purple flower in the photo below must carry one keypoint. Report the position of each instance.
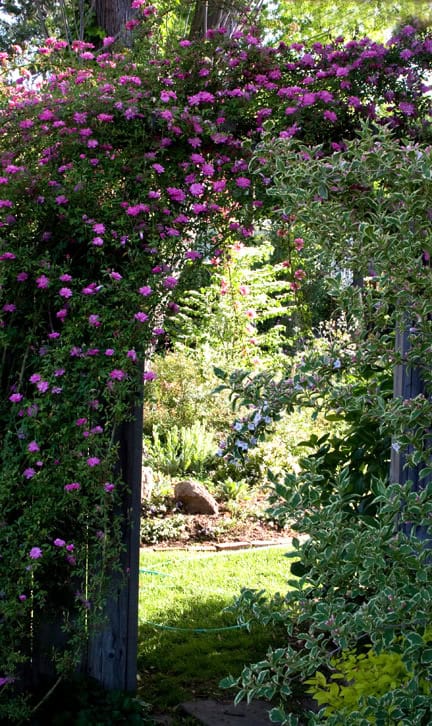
(117, 374)
(109, 487)
(59, 542)
(94, 320)
(73, 486)
(4, 680)
(65, 292)
(16, 397)
(146, 290)
(42, 282)
(35, 553)
(33, 446)
(193, 255)
(42, 386)
(141, 317)
(93, 461)
(29, 472)
(243, 182)
(149, 376)
(109, 352)
(196, 190)
(170, 282)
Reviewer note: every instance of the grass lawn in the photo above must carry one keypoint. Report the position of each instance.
(184, 589)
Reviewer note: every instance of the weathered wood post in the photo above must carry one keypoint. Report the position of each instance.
(112, 651)
(407, 384)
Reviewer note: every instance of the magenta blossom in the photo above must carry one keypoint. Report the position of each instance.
(149, 376)
(141, 317)
(170, 282)
(117, 375)
(146, 290)
(42, 282)
(16, 397)
(73, 486)
(35, 553)
(93, 461)
(243, 182)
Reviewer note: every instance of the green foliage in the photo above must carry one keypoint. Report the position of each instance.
(241, 317)
(179, 451)
(83, 702)
(156, 529)
(301, 19)
(363, 571)
(182, 393)
(356, 676)
(233, 490)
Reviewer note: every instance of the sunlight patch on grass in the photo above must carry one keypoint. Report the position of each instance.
(188, 589)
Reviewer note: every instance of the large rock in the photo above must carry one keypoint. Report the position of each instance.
(195, 498)
(147, 483)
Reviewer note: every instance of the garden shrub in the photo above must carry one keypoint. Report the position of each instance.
(363, 572)
(356, 676)
(180, 451)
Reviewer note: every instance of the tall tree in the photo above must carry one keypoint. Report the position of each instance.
(210, 14)
(111, 15)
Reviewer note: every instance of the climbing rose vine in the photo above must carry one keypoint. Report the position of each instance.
(120, 170)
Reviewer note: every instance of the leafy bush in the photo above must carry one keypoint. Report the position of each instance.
(83, 702)
(354, 677)
(364, 573)
(182, 394)
(179, 451)
(162, 529)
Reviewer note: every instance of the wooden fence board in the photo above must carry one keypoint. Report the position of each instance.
(112, 651)
(407, 384)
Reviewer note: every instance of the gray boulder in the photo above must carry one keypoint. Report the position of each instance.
(147, 483)
(195, 498)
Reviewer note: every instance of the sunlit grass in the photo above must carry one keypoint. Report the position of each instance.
(190, 590)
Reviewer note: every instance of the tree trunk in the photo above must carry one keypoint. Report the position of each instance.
(112, 15)
(217, 14)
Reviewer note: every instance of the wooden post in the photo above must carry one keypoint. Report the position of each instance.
(112, 651)
(407, 383)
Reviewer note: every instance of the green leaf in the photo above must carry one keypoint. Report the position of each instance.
(228, 682)
(220, 373)
(276, 715)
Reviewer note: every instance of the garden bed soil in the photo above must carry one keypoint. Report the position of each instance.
(214, 531)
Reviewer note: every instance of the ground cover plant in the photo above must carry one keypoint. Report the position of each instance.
(191, 589)
(120, 170)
